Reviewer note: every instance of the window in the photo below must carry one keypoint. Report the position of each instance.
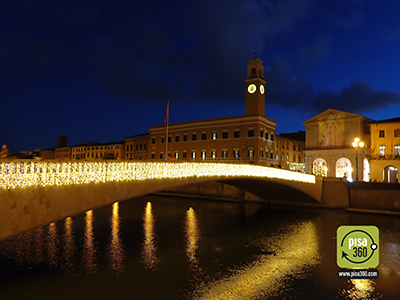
(184, 154)
(250, 153)
(261, 153)
(294, 158)
(283, 157)
(153, 140)
(127, 147)
(194, 137)
(177, 138)
(141, 146)
(137, 147)
(193, 154)
(272, 155)
(214, 135)
(225, 135)
(224, 153)
(169, 139)
(261, 134)
(381, 133)
(145, 147)
(236, 153)
(397, 133)
(396, 150)
(287, 145)
(176, 155)
(213, 154)
(153, 156)
(382, 150)
(161, 156)
(162, 140)
(204, 136)
(236, 134)
(185, 137)
(203, 155)
(294, 148)
(251, 133)
(272, 136)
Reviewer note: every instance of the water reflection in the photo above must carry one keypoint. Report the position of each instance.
(149, 247)
(288, 254)
(89, 251)
(69, 245)
(52, 250)
(360, 289)
(192, 232)
(116, 248)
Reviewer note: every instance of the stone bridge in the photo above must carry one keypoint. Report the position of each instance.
(35, 193)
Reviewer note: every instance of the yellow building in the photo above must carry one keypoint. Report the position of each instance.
(63, 153)
(329, 145)
(289, 151)
(385, 150)
(248, 138)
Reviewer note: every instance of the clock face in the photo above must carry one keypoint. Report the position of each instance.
(262, 89)
(252, 88)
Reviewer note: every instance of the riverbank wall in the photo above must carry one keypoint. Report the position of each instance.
(368, 197)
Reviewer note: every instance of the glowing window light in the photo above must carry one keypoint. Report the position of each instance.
(44, 173)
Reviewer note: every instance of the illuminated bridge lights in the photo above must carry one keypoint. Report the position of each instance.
(49, 173)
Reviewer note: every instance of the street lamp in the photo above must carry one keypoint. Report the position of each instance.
(357, 144)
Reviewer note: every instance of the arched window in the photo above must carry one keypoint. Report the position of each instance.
(390, 174)
(320, 167)
(343, 168)
(366, 170)
(253, 73)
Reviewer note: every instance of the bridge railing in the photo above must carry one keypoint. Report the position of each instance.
(15, 174)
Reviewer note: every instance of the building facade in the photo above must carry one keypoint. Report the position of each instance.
(62, 153)
(384, 152)
(248, 138)
(329, 145)
(136, 147)
(289, 151)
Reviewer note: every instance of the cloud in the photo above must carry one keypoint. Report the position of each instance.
(144, 51)
(358, 97)
(319, 50)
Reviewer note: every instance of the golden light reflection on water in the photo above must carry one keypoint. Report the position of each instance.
(360, 289)
(192, 232)
(69, 245)
(149, 247)
(53, 250)
(116, 248)
(89, 251)
(290, 252)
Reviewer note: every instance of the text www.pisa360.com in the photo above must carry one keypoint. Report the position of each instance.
(358, 273)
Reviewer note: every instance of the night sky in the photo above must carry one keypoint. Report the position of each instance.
(104, 70)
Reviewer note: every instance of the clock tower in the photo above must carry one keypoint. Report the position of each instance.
(255, 88)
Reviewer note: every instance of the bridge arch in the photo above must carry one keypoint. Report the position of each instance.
(38, 193)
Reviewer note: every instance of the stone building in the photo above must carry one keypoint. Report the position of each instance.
(289, 150)
(248, 138)
(136, 147)
(329, 145)
(384, 152)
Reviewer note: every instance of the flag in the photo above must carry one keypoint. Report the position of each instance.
(166, 117)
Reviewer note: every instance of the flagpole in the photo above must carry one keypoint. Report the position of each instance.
(166, 138)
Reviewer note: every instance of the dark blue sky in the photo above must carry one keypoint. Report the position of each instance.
(104, 70)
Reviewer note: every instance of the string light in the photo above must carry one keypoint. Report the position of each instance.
(21, 174)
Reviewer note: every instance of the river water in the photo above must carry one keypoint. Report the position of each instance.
(159, 247)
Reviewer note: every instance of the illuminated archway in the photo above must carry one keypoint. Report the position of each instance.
(343, 167)
(366, 170)
(320, 167)
(390, 174)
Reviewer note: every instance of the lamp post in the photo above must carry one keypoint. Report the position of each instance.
(357, 144)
